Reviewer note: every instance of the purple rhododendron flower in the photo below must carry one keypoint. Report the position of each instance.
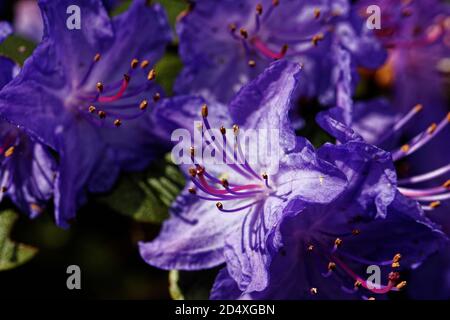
(429, 188)
(225, 44)
(307, 231)
(27, 167)
(85, 93)
(417, 36)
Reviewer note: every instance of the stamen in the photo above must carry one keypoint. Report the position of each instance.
(316, 38)
(156, 97)
(427, 176)
(421, 139)
(144, 64)
(266, 51)
(101, 114)
(117, 122)
(259, 9)
(91, 109)
(313, 291)
(151, 75)
(143, 105)
(119, 94)
(252, 63)
(134, 63)
(402, 122)
(9, 152)
(99, 87)
(232, 27)
(219, 206)
(243, 32)
(97, 57)
(316, 13)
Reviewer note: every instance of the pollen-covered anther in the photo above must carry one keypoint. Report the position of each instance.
(401, 285)
(244, 33)
(225, 183)
(232, 27)
(251, 63)
(313, 291)
(259, 9)
(143, 105)
(418, 108)
(223, 130)
(204, 111)
(310, 247)
(235, 129)
(192, 172)
(144, 64)
(357, 284)
(200, 171)
(219, 205)
(97, 57)
(192, 191)
(134, 63)
(275, 2)
(9, 152)
(91, 109)
(151, 75)
(99, 86)
(101, 114)
(435, 204)
(371, 298)
(397, 257)
(446, 184)
(265, 176)
(316, 13)
(331, 266)
(432, 128)
(337, 242)
(156, 97)
(117, 122)
(448, 117)
(316, 38)
(405, 148)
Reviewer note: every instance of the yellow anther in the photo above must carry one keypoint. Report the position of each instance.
(143, 105)
(204, 111)
(151, 75)
(405, 148)
(99, 86)
(134, 63)
(9, 152)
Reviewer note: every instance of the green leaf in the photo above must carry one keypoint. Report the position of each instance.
(174, 8)
(167, 70)
(17, 48)
(191, 285)
(12, 254)
(146, 196)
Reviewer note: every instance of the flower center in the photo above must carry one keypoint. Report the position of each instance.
(273, 45)
(120, 100)
(254, 190)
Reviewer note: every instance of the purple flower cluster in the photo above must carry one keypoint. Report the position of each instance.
(85, 106)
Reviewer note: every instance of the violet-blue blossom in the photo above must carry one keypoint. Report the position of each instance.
(225, 44)
(85, 94)
(27, 168)
(308, 231)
